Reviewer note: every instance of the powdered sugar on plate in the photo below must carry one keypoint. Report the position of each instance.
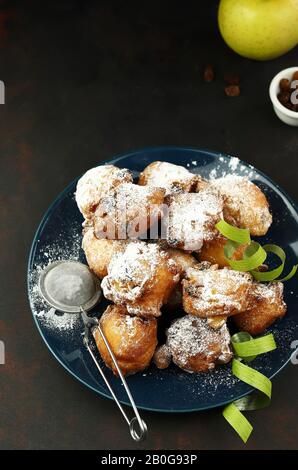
(59, 250)
(227, 165)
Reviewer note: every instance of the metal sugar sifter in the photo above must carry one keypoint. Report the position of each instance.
(71, 288)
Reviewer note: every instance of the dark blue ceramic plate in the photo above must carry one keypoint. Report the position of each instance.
(169, 390)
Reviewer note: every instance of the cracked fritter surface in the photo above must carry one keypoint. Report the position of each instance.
(213, 292)
(141, 278)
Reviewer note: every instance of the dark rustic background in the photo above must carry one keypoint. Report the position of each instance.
(86, 80)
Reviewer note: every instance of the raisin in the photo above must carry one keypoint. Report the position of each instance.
(284, 97)
(295, 75)
(284, 84)
(232, 79)
(208, 73)
(232, 90)
(289, 106)
(295, 108)
(263, 268)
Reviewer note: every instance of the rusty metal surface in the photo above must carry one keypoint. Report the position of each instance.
(82, 83)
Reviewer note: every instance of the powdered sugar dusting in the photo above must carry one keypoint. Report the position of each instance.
(234, 167)
(189, 336)
(56, 251)
(267, 291)
(217, 292)
(131, 198)
(169, 176)
(245, 202)
(129, 272)
(192, 218)
(234, 162)
(94, 184)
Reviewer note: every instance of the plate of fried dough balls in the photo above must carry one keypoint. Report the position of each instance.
(145, 224)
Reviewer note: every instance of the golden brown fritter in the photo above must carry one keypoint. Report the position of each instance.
(94, 185)
(173, 178)
(141, 278)
(245, 204)
(213, 251)
(132, 339)
(195, 346)
(191, 219)
(266, 306)
(213, 292)
(99, 252)
(128, 211)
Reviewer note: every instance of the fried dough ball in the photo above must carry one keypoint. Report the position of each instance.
(132, 339)
(267, 305)
(128, 211)
(213, 251)
(162, 357)
(213, 292)
(246, 205)
(174, 178)
(141, 278)
(192, 217)
(94, 184)
(195, 346)
(99, 252)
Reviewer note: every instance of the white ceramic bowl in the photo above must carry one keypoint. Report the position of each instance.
(284, 114)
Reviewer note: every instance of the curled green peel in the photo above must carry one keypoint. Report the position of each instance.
(239, 235)
(253, 347)
(247, 348)
(254, 255)
(249, 262)
(238, 421)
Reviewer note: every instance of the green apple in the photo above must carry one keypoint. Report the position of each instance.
(259, 29)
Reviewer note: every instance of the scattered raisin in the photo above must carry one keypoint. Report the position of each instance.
(284, 84)
(232, 79)
(208, 73)
(295, 75)
(232, 90)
